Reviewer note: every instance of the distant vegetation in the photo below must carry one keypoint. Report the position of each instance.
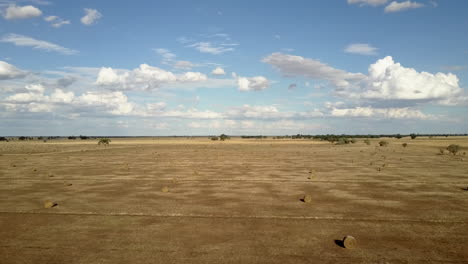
(224, 137)
(453, 149)
(104, 141)
(383, 143)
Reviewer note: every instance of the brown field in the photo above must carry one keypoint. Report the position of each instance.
(237, 201)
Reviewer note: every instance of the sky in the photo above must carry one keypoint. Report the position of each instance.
(154, 68)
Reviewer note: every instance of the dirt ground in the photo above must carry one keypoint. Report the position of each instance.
(237, 201)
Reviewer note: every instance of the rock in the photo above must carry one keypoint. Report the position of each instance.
(165, 189)
(49, 204)
(307, 198)
(349, 242)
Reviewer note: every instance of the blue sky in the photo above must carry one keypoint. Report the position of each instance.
(235, 67)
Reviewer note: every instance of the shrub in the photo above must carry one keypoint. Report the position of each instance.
(104, 141)
(214, 138)
(398, 136)
(453, 149)
(413, 136)
(343, 141)
(383, 143)
(367, 142)
(224, 137)
(72, 137)
(3, 139)
(353, 140)
(404, 145)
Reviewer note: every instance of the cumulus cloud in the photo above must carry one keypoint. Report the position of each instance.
(290, 66)
(218, 71)
(90, 17)
(208, 47)
(8, 71)
(115, 103)
(369, 112)
(361, 48)
(368, 2)
(25, 41)
(144, 77)
(401, 6)
(21, 12)
(390, 80)
(386, 80)
(256, 83)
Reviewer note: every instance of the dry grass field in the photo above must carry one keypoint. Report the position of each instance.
(162, 200)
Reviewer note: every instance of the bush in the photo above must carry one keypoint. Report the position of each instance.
(367, 142)
(104, 141)
(224, 137)
(353, 140)
(214, 138)
(453, 149)
(72, 137)
(383, 143)
(3, 139)
(404, 145)
(413, 136)
(342, 141)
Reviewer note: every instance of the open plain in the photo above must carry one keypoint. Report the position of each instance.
(168, 200)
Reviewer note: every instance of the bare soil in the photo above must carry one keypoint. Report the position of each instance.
(237, 201)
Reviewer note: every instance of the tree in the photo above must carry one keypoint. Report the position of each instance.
(453, 149)
(413, 136)
(224, 137)
(104, 141)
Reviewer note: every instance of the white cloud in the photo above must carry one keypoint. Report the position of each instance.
(184, 65)
(166, 54)
(25, 41)
(361, 48)
(35, 88)
(192, 77)
(91, 16)
(191, 114)
(386, 80)
(50, 18)
(59, 96)
(8, 71)
(260, 112)
(61, 23)
(391, 81)
(145, 77)
(368, 2)
(107, 76)
(115, 103)
(392, 113)
(256, 83)
(290, 66)
(21, 12)
(401, 6)
(218, 71)
(208, 47)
